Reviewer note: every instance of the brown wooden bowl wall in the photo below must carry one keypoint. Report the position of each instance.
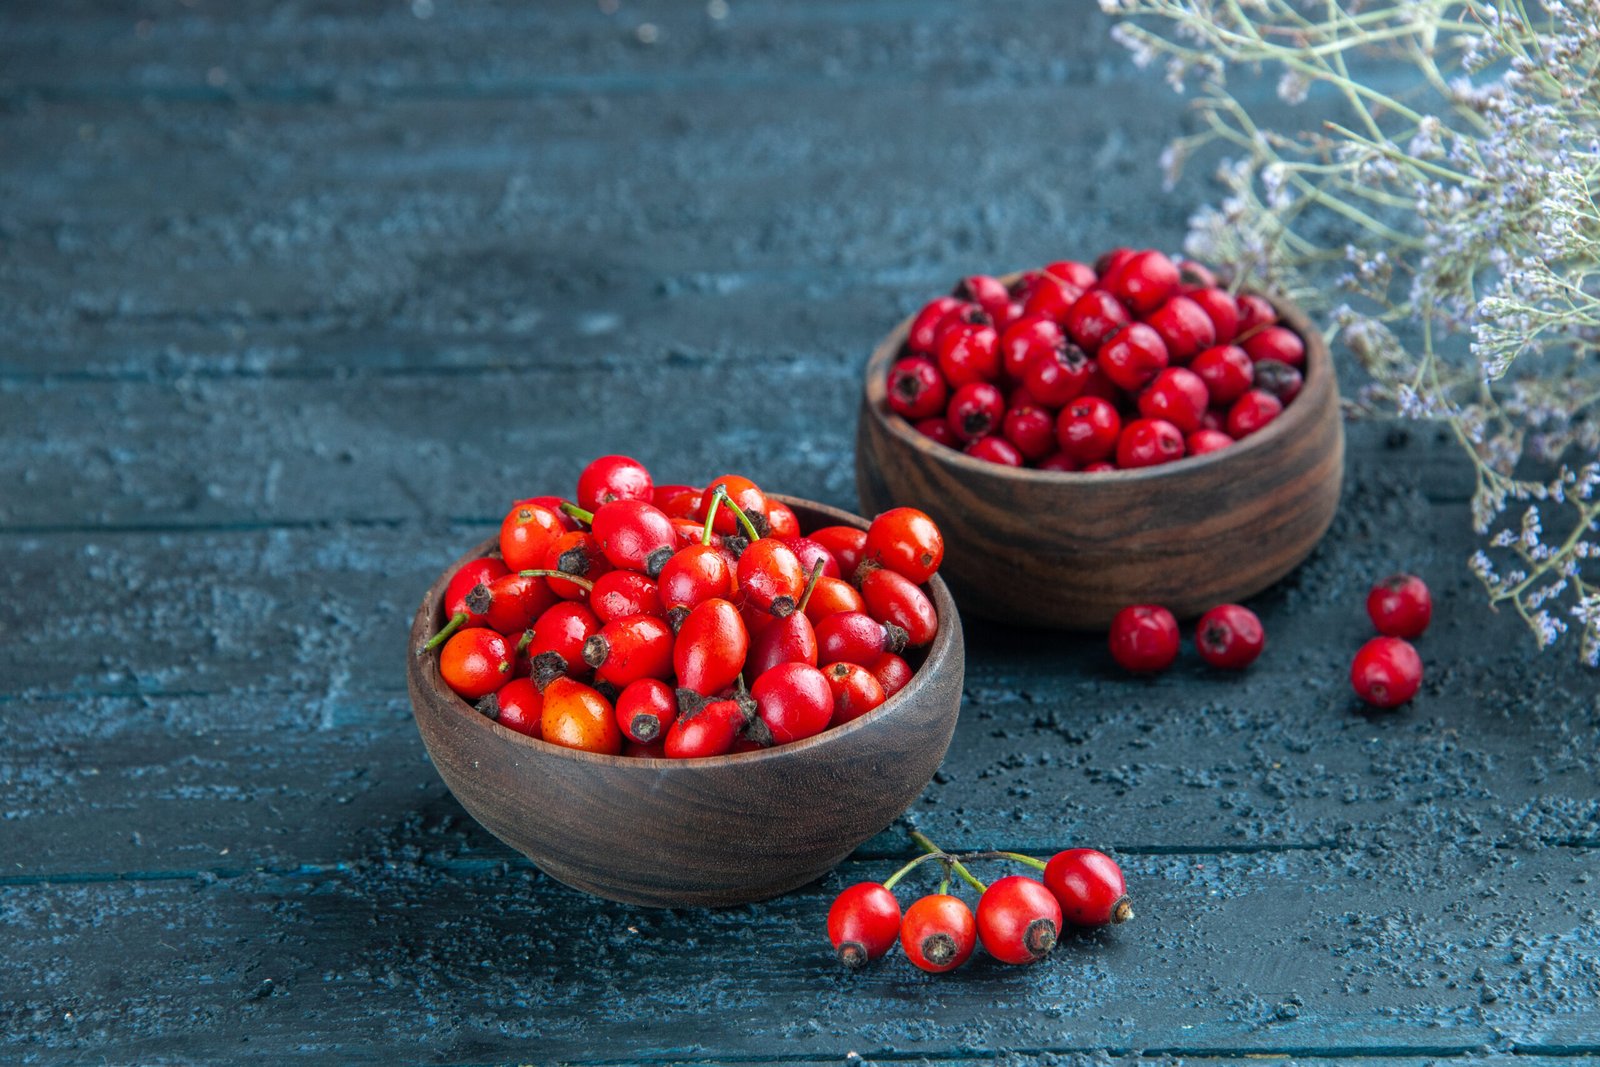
(1070, 550)
(719, 831)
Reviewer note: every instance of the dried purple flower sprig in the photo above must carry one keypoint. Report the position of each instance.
(1473, 197)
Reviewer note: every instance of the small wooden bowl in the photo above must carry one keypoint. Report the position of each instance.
(725, 830)
(1070, 550)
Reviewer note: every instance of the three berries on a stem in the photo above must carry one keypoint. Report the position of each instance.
(1019, 918)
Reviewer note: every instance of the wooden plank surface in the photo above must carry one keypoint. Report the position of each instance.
(295, 295)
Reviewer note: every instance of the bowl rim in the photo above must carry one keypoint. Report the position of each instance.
(423, 671)
(1319, 388)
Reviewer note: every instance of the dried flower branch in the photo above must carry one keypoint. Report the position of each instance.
(1467, 189)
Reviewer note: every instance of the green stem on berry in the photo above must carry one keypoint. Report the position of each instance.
(894, 878)
(585, 517)
(525, 641)
(711, 515)
(444, 635)
(1037, 865)
(950, 861)
(576, 579)
(944, 883)
(805, 598)
(744, 520)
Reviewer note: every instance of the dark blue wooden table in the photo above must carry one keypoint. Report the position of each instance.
(296, 296)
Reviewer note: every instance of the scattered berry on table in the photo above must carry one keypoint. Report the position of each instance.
(1400, 606)
(1386, 672)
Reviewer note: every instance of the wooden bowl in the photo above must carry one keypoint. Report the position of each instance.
(1070, 550)
(718, 831)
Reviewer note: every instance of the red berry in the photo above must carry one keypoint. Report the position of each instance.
(938, 933)
(526, 534)
(694, 575)
(1031, 430)
(1149, 443)
(613, 478)
(1026, 339)
(855, 637)
(969, 353)
(1018, 920)
(892, 672)
(1223, 311)
(1058, 375)
(1095, 316)
(1111, 260)
(576, 553)
(710, 732)
(1144, 637)
(1058, 461)
(1229, 635)
(1255, 312)
(1080, 274)
(468, 577)
(988, 293)
(847, 543)
(513, 602)
(1385, 673)
(558, 639)
(1279, 343)
(855, 690)
(576, 716)
(1184, 327)
(1202, 441)
(926, 326)
(1251, 412)
(995, 449)
(1400, 606)
(863, 923)
(741, 491)
(634, 535)
(1133, 356)
(905, 540)
(794, 700)
(1087, 429)
(1089, 887)
(782, 522)
(830, 596)
(517, 705)
(770, 577)
(646, 709)
(1143, 281)
(1196, 276)
(1051, 297)
(618, 594)
(792, 639)
(1177, 395)
(893, 598)
(938, 428)
(975, 411)
(1279, 379)
(1226, 371)
(916, 388)
(625, 650)
(711, 647)
(810, 553)
(476, 662)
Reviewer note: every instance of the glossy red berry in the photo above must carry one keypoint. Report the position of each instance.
(1251, 412)
(1030, 430)
(517, 705)
(634, 535)
(1018, 920)
(1279, 379)
(938, 933)
(1110, 260)
(893, 598)
(905, 540)
(1222, 310)
(770, 576)
(988, 293)
(792, 639)
(1052, 297)
(577, 716)
(1087, 429)
(1230, 636)
(1193, 275)
(1089, 887)
(782, 522)
(743, 492)
(969, 352)
(1133, 356)
(1202, 441)
(892, 672)
(476, 662)
(1058, 375)
(468, 577)
(613, 478)
(1400, 606)
(558, 639)
(694, 575)
(646, 709)
(1080, 274)
(1093, 317)
(1149, 443)
(1144, 281)
(1385, 673)
(711, 731)
(810, 553)
(863, 923)
(1276, 342)
(847, 543)
(975, 411)
(916, 389)
(1144, 637)
(855, 691)
(1226, 371)
(1025, 340)
(618, 594)
(929, 321)
(856, 637)
(794, 700)
(711, 647)
(1185, 328)
(511, 602)
(1177, 395)
(526, 534)
(995, 449)
(830, 596)
(625, 650)
(1255, 312)
(938, 428)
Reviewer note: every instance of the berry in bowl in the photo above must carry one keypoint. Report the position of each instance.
(1090, 437)
(678, 695)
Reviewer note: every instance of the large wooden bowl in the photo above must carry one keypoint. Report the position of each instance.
(725, 830)
(1070, 550)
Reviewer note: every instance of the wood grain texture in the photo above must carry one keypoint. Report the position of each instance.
(1070, 550)
(717, 831)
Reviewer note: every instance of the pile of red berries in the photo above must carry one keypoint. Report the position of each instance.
(630, 621)
(1387, 671)
(1019, 918)
(1144, 637)
(1133, 362)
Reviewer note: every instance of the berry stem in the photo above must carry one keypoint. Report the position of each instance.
(576, 579)
(444, 634)
(525, 640)
(711, 515)
(1037, 865)
(805, 598)
(744, 520)
(890, 882)
(585, 517)
(950, 861)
